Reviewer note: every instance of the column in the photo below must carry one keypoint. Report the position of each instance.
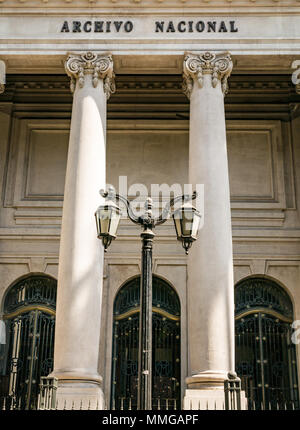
(80, 271)
(2, 76)
(210, 264)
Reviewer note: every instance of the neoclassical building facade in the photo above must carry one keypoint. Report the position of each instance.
(159, 93)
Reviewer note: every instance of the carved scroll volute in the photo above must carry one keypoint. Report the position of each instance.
(219, 66)
(99, 66)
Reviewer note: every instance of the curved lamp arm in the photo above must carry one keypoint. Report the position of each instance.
(111, 194)
(167, 209)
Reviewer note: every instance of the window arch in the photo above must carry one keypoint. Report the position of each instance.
(265, 354)
(29, 315)
(165, 346)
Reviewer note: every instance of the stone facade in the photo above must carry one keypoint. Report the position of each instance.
(148, 125)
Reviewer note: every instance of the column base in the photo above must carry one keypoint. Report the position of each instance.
(208, 399)
(207, 380)
(79, 392)
(206, 391)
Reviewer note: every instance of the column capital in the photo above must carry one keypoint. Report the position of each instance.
(100, 66)
(195, 66)
(296, 75)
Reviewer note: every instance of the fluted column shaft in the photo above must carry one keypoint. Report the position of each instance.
(210, 264)
(80, 273)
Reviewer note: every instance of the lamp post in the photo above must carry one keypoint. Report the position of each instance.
(187, 221)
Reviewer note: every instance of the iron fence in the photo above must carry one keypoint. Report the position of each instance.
(232, 392)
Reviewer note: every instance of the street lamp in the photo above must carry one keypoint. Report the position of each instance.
(107, 220)
(187, 222)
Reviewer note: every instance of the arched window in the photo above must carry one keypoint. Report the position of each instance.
(265, 353)
(165, 346)
(29, 315)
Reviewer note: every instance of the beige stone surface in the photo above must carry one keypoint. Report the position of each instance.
(137, 5)
(210, 267)
(208, 400)
(265, 209)
(80, 274)
(27, 35)
(47, 154)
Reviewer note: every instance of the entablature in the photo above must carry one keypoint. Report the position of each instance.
(85, 7)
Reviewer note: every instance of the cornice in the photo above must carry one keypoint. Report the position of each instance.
(137, 7)
(150, 96)
(150, 3)
(152, 83)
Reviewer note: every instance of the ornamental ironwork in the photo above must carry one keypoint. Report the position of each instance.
(265, 354)
(165, 346)
(29, 315)
(262, 292)
(39, 289)
(163, 296)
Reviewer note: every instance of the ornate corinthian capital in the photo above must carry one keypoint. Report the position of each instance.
(99, 66)
(219, 66)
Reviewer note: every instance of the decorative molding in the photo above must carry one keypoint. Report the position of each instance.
(244, 84)
(100, 66)
(157, 4)
(257, 218)
(266, 193)
(27, 135)
(219, 66)
(43, 85)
